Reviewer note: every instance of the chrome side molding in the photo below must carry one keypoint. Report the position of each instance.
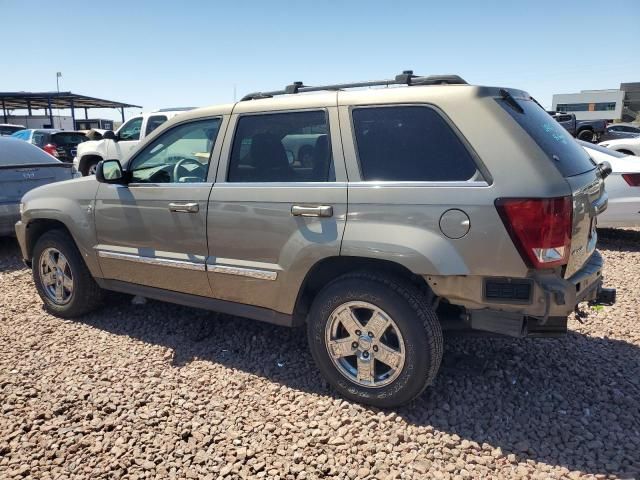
(244, 272)
(163, 262)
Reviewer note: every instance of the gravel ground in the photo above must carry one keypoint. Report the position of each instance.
(157, 391)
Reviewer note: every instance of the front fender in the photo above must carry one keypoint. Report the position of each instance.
(70, 203)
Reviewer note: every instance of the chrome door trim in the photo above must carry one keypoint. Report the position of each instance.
(244, 272)
(163, 262)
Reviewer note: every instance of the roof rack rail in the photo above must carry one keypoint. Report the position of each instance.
(405, 78)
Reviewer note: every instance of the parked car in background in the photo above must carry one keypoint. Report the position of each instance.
(629, 146)
(118, 145)
(587, 130)
(7, 129)
(623, 186)
(620, 130)
(62, 144)
(403, 219)
(23, 167)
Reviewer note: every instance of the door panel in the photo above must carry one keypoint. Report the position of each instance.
(153, 232)
(259, 250)
(264, 250)
(140, 240)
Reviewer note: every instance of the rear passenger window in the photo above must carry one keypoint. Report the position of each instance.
(282, 147)
(409, 144)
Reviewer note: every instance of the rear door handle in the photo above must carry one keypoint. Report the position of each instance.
(191, 207)
(318, 211)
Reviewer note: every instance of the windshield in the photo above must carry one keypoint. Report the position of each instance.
(569, 157)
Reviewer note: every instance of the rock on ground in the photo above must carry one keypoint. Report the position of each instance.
(163, 391)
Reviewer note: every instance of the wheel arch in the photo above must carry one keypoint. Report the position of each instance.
(330, 268)
(88, 158)
(38, 227)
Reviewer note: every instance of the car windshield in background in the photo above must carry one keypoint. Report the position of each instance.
(605, 150)
(17, 152)
(7, 130)
(569, 157)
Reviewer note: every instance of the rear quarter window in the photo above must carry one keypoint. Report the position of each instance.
(409, 143)
(561, 148)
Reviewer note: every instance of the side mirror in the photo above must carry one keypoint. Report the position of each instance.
(110, 171)
(605, 169)
(109, 135)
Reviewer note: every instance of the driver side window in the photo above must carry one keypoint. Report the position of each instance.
(179, 155)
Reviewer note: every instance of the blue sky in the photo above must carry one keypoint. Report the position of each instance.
(192, 53)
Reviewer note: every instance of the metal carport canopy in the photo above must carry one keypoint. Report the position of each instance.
(62, 100)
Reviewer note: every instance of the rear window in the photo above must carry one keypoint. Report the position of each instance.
(551, 137)
(17, 152)
(69, 138)
(409, 143)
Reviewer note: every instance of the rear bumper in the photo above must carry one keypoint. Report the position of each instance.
(9, 215)
(551, 298)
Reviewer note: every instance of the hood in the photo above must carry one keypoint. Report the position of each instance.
(90, 146)
(78, 188)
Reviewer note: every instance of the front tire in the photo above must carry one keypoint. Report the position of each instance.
(61, 277)
(375, 339)
(90, 168)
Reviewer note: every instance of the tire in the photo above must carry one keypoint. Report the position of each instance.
(90, 168)
(80, 293)
(419, 339)
(585, 135)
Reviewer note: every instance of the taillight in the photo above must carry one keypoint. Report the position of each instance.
(539, 227)
(633, 179)
(51, 149)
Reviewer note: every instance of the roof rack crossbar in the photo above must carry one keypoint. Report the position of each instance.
(405, 78)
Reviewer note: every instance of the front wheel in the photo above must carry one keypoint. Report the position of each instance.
(90, 168)
(62, 279)
(375, 339)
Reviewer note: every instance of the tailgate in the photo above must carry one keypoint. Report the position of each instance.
(589, 200)
(16, 180)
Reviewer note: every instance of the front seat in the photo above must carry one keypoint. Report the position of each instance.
(269, 158)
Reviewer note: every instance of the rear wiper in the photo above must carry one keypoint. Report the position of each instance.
(507, 97)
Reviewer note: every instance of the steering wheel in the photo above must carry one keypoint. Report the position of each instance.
(180, 163)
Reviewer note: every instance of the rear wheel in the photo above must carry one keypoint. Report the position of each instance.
(61, 277)
(375, 339)
(586, 135)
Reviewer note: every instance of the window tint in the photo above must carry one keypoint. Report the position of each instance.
(551, 137)
(179, 155)
(409, 144)
(39, 138)
(154, 122)
(282, 147)
(131, 129)
(7, 130)
(68, 138)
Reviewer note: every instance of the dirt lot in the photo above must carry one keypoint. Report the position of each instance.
(146, 391)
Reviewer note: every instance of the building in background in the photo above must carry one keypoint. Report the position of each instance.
(621, 104)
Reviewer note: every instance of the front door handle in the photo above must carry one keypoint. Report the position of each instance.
(318, 211)
(191, 207)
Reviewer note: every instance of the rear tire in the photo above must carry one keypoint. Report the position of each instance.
(61, 277)
(586, 135)
(360, 366)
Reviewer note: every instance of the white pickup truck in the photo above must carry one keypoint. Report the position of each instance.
(118, 145)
